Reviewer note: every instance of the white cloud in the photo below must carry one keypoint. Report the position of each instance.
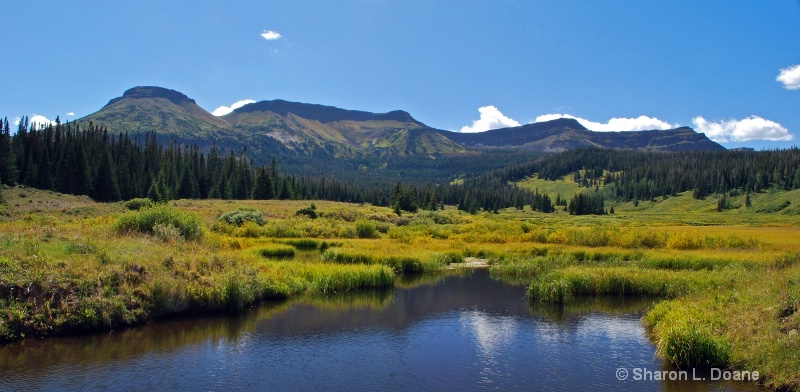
(223, 110)
(790, 77)
(37, 119)
(270, 35)
(641, 123)
(40, 120)
(491, 118)
(71, 114)
(750, 128)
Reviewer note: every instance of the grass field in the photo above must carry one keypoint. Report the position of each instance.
(726, 285)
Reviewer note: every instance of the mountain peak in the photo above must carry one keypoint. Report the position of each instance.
(565, 122)
(173, 96)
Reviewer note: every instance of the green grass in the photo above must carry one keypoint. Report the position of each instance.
(562, 285)
(565, 187)
(277, 252)
(304, 243)
(399, 263)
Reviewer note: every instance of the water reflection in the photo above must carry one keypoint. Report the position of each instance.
(465, 332)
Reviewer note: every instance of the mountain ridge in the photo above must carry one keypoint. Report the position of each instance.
(307, 129)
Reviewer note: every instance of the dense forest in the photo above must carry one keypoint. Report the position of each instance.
(628, 175)
(88, 160)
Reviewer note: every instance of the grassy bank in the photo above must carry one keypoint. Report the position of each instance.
(732, 310)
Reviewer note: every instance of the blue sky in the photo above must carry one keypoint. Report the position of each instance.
(457, 65)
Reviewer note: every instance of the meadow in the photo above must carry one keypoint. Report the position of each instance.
(724, 286)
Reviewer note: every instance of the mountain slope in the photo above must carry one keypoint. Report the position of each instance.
(342, 131)
(566, 133)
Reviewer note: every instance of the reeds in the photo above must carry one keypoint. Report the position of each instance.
(399, 263)
(687, 336)
(560, 286)
(277, 252)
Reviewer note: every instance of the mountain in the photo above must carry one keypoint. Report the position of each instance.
(168, 112)
(298, 125)
(566, 133)
(291, 129)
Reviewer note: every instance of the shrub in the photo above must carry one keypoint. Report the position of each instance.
(249, 230)
(138, 204)
(685, 240)
(366, 229)
(167, 232)
(240, 216)
(310, 211)
(189, 225)
(558, 237)
(438, 218)
(637, 239)
(223, 241)
(347, 215)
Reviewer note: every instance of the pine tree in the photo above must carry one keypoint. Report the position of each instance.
(187, 185)
(8, 170)
(105, 184)
(263, 187)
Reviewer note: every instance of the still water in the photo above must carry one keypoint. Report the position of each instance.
(461, 332)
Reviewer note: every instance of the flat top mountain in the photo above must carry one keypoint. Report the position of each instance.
(144, 109)
(308, 129)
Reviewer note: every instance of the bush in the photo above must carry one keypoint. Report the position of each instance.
(558, 237)
(685, 240)
(240, 216)
(365, 229)
(249, 230)
(138, 204)
(189, 225)
(310, 211)
(168, 233)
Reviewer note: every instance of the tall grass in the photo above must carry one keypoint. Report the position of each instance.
(330, 278)
(405, 264)
(277, 252)
(686, 336)
(303, 243)
(189, 225)
(560, 286)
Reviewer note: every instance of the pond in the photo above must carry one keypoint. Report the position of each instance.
(432, 332)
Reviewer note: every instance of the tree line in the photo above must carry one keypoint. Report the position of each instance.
(628, 175)
(84, 159)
